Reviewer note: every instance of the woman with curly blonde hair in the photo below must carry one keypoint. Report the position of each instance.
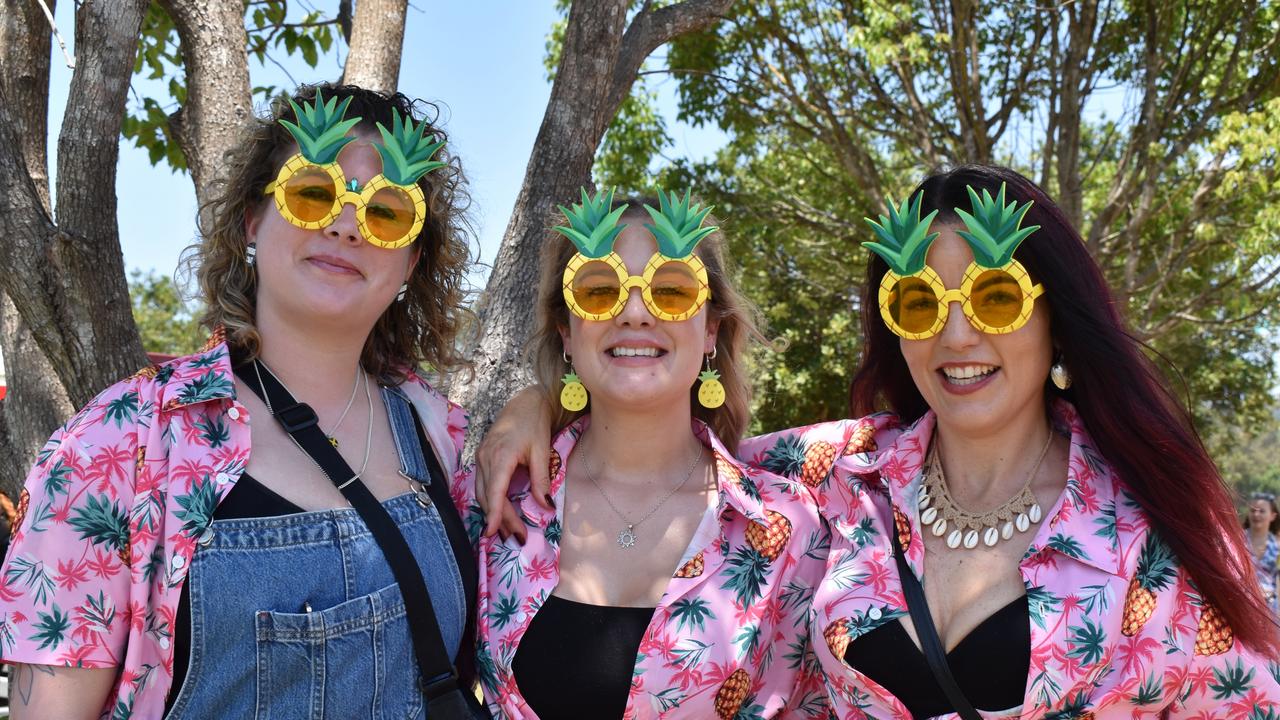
(263, 528)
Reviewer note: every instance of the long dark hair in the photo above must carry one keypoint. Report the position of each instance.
(1135, 420)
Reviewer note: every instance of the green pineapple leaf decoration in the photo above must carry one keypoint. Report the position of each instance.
(593, 228)
(678, 224)
(320, 130)
(993, 228)
(406, 153)
(904, 238)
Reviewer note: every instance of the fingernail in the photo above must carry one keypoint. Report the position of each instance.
(550, 503)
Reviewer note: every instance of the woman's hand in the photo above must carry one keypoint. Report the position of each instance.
(521, 435)
(48, 691)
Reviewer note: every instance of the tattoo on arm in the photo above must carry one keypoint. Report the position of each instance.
(24, 679)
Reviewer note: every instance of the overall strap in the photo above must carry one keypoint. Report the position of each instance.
(439, 680)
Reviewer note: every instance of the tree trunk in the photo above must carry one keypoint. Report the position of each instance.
(36, 402)
(377, 41)
(219, 96)
(67, 280)
(598, 65)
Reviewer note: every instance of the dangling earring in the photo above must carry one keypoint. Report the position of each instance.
(711, 391)
(1059, 375)
(251, 254)
(404, 288)
(574, 395)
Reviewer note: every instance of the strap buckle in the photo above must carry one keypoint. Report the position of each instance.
(297, 416)
(440, 686)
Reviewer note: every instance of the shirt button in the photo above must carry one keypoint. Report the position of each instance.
(178, 562)
(233, 413)
(874, 613)
(164, 643)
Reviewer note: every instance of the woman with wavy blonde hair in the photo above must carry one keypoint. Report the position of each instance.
(653, 543)
(263, 528)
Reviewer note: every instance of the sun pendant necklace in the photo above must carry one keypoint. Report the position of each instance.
(963, 528)
(627, 535)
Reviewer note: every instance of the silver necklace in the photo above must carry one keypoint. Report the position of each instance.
(964, 528)
(368, 440)
(627, 535)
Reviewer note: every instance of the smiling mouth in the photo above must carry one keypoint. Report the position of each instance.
(967, 374)
(621, 352)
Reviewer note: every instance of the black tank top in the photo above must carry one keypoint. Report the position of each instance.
(990, 664)
(575, 660)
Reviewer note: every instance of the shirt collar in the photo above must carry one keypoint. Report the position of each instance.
(203, 377)
(1081, 525)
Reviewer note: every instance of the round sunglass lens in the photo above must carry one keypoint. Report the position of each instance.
(389, 215)
(309, 194)
(674, 288)
(596, 288)
(913, 305)
(996, 298)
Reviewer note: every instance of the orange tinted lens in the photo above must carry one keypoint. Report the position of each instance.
(996, 299)
(913, 305)
(674, 288)
(309, 194)
(389, 214)
(596, 288)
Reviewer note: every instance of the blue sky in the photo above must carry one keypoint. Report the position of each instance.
(482, 60)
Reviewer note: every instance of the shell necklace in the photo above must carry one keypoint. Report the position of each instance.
(964, 528)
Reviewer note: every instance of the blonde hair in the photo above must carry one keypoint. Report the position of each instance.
(739, 321)
(421, 329)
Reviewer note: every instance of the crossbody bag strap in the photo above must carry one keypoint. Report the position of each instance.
(930, 643)
(439, 679)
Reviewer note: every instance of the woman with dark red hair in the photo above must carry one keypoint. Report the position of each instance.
(1036, 530)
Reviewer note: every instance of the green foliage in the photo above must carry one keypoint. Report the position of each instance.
(165, 321)
(832, 106)
(270, 28)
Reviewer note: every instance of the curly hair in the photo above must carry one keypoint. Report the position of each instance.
(740, 322)
(424, 327)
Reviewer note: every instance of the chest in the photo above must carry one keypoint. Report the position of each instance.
(621, 546)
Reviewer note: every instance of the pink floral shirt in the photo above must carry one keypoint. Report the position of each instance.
(729, 637)
(112, 513)
(1117, 630)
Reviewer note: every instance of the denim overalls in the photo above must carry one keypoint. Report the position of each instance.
(299, 616)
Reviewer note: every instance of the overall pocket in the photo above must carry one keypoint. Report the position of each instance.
(353, 660)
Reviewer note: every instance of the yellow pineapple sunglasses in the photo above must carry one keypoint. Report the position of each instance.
(996, 293)
(310, 189)
(674, 284)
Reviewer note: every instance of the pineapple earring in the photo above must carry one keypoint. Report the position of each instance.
(574, 395)
(711, 391)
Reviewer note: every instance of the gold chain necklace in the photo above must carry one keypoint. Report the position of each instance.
(963, 528)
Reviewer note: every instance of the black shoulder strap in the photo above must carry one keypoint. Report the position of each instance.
(439, 679)
(928, 634)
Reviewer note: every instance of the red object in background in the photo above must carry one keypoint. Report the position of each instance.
(2, 392)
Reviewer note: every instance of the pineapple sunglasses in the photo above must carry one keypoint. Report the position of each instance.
(673, 285)
(311, 197)
(996, 293)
